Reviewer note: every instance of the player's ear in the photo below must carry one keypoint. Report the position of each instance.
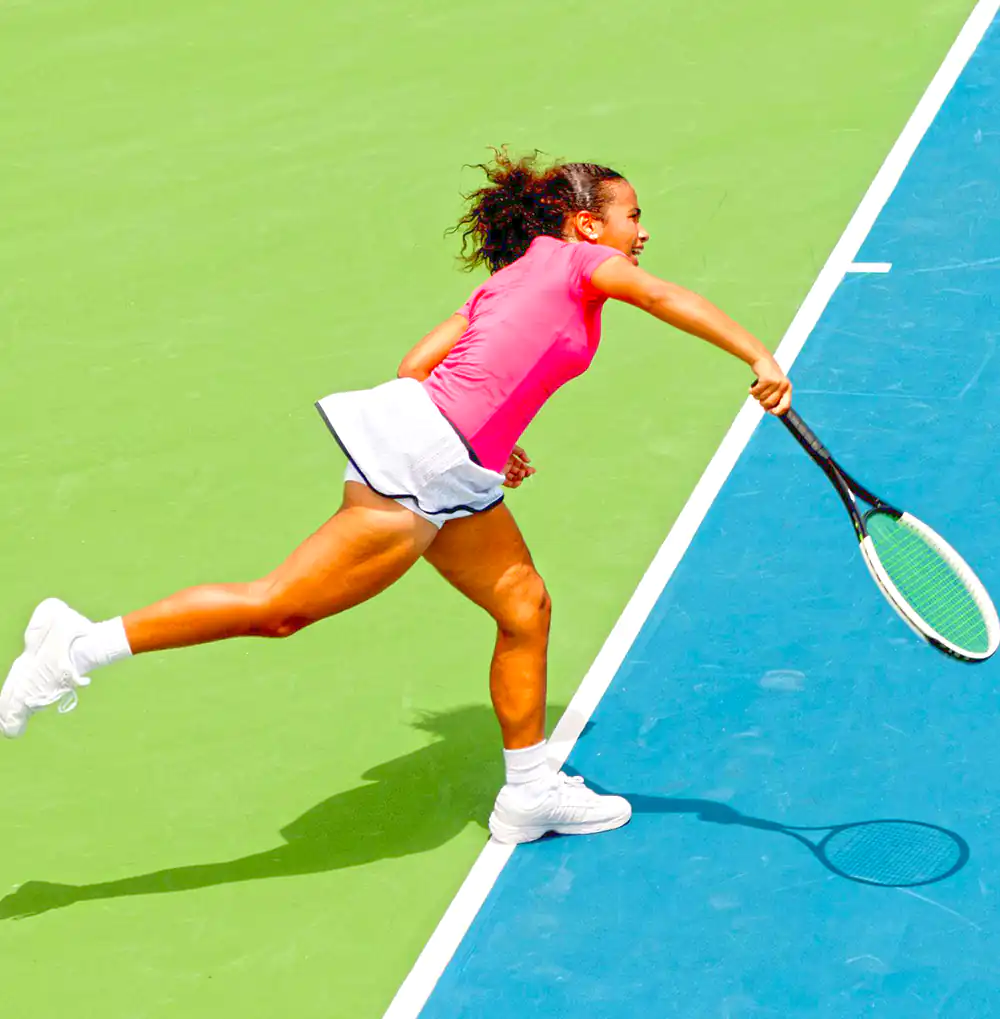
(586, 225)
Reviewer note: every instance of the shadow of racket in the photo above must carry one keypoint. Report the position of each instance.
(889, 853)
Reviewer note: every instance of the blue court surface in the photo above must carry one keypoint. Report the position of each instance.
(772, 685)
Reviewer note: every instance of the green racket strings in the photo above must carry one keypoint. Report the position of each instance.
(928, 583)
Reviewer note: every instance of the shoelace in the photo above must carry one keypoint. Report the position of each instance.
(565, 779)
(69, 700)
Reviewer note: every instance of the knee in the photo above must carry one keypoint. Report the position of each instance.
(273, 615)
(526, 608)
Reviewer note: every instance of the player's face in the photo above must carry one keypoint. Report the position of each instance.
(619, 225)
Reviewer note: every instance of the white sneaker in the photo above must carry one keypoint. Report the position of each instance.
(569, 808)
(44, 674)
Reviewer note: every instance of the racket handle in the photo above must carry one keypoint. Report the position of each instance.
(805, 435)
(846, 486)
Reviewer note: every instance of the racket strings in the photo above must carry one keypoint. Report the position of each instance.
(893, 853)
(928, 582)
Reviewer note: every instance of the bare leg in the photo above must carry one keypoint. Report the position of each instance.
(485, 557)
(369, 543)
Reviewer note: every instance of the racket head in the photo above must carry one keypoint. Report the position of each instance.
(893, 853)
(930, 585)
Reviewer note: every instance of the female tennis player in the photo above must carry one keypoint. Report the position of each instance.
(428, 455)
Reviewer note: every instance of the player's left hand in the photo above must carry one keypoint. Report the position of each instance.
(517, 469)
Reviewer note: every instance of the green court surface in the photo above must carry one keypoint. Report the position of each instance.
(214, 214)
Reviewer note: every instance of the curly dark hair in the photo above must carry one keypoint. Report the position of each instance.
(522, 202)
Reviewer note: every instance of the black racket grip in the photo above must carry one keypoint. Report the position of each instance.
(806, 437)
(804, 434)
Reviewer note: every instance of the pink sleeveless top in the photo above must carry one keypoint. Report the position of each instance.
(533, 326)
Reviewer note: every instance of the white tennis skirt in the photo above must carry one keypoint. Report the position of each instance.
(402, 447)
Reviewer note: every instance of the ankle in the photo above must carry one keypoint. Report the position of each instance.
(528, 769)
(102, 644)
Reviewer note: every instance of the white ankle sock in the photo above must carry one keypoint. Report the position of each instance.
(102, 644)
(529, 767)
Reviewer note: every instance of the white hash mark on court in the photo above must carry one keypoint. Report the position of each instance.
(869, 267)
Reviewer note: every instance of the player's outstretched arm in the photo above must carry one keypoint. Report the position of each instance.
(686, 310)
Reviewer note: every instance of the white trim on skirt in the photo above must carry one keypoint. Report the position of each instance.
(401, 446)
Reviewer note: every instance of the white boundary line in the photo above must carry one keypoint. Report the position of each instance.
(417, 987)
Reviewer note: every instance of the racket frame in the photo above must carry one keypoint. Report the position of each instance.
(849, 490)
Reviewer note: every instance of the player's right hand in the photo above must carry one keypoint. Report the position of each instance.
(772, 389)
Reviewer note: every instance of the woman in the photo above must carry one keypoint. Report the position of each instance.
(427, 455)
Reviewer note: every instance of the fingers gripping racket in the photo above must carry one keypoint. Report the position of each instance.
(923, 578)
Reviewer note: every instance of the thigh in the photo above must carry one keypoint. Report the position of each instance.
(485, 557)
(369, 543)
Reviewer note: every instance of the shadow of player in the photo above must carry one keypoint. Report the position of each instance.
(411, 804)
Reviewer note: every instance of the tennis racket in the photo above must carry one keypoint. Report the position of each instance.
(923, 578)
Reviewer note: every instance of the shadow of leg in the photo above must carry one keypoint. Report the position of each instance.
(35, 897)
(411, 804)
